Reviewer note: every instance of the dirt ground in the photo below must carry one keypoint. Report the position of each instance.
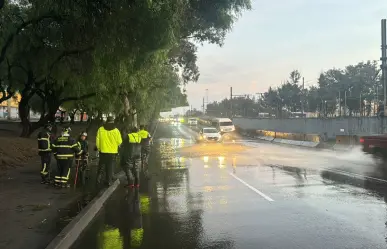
(29, 211)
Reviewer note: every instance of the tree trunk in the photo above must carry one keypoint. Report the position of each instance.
(50, 116)
(128, 119)
(24, 110)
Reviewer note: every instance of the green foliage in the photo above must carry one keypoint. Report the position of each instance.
(106, 56)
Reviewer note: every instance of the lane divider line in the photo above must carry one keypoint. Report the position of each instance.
(251, 187)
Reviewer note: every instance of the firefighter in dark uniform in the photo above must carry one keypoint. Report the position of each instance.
(131, 157)
(64, 148)
(81, 160)
(45, 140)
(145, 148)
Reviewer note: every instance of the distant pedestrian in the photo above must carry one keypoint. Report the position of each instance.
(64, 148)
(45, 141)
(107, 142)
(131, 157)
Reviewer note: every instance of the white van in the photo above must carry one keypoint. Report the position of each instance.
(224, 125)
(192, 121)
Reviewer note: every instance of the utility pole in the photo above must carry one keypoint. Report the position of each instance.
(384, 63)
(231, 102)
(377, 99)
(360, 106)
(302, 97)
(345, 103)
(206, 100)
(339, 104)
(203, 107)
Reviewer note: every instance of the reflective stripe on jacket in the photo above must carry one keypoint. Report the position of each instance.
(44, 141)
(65, 147)
(108, 141)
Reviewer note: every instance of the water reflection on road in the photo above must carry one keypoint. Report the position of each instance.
(220, 200)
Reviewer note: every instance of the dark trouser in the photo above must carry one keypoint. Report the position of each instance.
(82, 164)
(132, 171)
(63, 174)
(145, 150)
(106, 160)
(45, 170)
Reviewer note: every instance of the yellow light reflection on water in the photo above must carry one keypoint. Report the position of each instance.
(136, 236)
(111, 238)
(145, 204)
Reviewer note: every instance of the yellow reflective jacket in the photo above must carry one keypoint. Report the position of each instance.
(131, 148)
(145, 137)
(108, 139)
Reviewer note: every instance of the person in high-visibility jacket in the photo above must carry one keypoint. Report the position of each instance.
(45, 140)
(131, 157)
(145, 148)
(64, 148)
(107, 142)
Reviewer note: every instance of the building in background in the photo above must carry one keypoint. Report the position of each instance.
(9, 108)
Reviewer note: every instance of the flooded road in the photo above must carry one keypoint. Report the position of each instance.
(249, 195)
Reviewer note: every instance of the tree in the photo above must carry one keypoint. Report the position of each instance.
(108, 56)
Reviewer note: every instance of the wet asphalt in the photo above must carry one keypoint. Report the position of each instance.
(269, 196)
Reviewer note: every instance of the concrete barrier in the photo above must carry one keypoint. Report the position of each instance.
(296, 139)
(309, 144)
(66, 238)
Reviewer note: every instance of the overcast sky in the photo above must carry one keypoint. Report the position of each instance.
(277, 36)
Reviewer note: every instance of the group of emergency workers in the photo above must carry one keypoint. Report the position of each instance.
(133, 149)
(64, 148)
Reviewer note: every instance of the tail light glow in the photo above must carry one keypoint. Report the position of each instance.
(361, 140)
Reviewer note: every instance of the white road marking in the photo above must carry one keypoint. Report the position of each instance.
(251, 187)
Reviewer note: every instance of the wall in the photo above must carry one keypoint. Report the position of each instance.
(326, 128)
(15, 113)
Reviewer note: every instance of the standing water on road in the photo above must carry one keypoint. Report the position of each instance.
(236, 196)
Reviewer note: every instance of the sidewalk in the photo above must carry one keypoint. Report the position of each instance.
(32, 214)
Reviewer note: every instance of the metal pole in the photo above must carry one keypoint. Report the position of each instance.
(206, 99)
(231, 102)
(384, 63)
(377, 98)
(302, 97)
(345, 103)
(203, 106)
(360, 106)
(339, 104)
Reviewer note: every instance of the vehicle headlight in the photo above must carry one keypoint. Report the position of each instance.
(222, 129)
(204, 136)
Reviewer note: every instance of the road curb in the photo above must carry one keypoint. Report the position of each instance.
(66, 238)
